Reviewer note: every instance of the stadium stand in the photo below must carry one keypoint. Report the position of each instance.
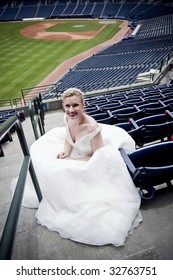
(8, 13)
(26, 12)
(145, 112)
(13, 10)
(120, 64)
(45, 11)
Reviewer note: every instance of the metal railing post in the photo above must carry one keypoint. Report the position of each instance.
(7, 240)
(25, 150)
(8, 235)
(36, 113)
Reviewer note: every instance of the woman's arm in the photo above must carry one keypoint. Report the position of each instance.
(67, 150)
(97, 142)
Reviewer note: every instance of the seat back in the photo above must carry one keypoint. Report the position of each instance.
(125, 117)
(155, 119)
(154, 111)
(126, 110)
(157, 132)
(104, 117)
(155, 128)
(93, 110)
(112, 106)
(154, 164)
(157, 155)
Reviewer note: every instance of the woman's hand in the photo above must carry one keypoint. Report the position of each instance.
(62, 155)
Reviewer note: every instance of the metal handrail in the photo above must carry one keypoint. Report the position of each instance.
(8, 236)
(36, 113)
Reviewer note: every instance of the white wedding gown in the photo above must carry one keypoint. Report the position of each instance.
(93, 202)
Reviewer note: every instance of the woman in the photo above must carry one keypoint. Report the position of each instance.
(80, 127)
(88, 194)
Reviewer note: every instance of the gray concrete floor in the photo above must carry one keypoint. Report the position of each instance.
(152, 240)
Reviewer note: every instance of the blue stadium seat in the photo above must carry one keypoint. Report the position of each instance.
(155, 128)
(150, 166)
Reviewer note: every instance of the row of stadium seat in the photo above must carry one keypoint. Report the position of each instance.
(4, 115)
(143, 129)
(162, 94)
(147, 117)
(45, 9)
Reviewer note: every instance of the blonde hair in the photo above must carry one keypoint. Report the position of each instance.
(72, 92)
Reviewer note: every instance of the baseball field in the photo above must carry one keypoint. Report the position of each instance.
(30, 51)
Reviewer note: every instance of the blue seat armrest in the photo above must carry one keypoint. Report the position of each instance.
(112, 116)
(133, 122)
(169, 114)
(134, 172)
(162, 103)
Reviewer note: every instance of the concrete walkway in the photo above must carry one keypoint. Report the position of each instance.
(153, 239)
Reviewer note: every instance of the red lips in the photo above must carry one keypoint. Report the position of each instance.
(72, 115)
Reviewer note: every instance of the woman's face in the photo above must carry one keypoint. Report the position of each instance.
(73, 106)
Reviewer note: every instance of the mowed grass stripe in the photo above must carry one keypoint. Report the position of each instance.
(25, 61)
(75, 26)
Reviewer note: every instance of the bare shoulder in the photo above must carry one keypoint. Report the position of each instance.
(90, 124)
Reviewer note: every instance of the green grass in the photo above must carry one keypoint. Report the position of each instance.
(24, 62)
(73, 26)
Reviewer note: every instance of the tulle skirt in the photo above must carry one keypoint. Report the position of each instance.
(93, 202)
